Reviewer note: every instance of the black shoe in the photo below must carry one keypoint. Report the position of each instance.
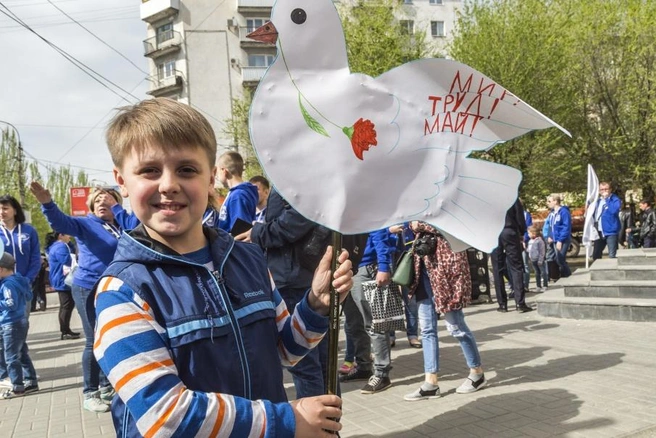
(502, 309)
(31, 387)
(376, 384)
(69, 336)
(356, 374)
(42, 306)
(523, 308)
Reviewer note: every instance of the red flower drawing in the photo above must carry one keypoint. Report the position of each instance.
(362, 135)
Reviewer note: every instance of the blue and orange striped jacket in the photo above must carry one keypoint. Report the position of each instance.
(193, 351)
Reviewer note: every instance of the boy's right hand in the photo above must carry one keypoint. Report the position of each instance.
(40, 193)
(316, 415)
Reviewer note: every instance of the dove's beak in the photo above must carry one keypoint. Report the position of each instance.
(267, 33)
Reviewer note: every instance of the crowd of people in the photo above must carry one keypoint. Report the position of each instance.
(191, 310)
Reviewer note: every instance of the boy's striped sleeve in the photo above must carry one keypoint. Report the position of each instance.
(131, 349)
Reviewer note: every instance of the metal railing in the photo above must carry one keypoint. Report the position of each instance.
(252, 74)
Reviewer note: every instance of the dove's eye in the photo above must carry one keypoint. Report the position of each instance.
(299, 16)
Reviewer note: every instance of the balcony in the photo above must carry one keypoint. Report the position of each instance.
(246, 43)
(155, 10)
(254, 6)
(251, 76)
(167, 86)
(163, 44)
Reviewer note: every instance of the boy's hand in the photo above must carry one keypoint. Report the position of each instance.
(316, 415)
(319, 298)
(244, 237)
(40, 193)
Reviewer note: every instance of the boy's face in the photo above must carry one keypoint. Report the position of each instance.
(168, 192)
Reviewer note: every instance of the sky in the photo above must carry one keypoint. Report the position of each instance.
(59, 111)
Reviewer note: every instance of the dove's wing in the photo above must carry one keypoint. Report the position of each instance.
(448, 96)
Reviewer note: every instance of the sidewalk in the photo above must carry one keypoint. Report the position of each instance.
(547, 377)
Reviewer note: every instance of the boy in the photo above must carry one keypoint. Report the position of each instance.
(537, 250)
(15, 293)
(190, 330)
(242, 198)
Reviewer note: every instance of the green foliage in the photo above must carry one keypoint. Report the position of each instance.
(587, 65)
(59, 181)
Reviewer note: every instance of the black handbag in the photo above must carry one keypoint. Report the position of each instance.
(386, 305)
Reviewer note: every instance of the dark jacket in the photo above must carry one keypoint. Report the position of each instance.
(283, 236)
(627, 221)
(221, 329)
(648, 224)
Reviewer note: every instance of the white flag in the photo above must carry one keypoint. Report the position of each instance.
(590, 233)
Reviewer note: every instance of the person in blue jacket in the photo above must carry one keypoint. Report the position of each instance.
(61, 263)
(242, 198)
(97, 236)
(560, 235)
(15, 294)
(376, 265)
(606, 221)
(22, 242)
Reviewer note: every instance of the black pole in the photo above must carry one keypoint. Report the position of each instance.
(333, 317)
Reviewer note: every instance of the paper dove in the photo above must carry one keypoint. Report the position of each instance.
(357, 154)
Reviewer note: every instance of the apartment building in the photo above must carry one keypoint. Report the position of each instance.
(199, 53)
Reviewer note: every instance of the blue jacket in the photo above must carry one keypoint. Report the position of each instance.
(129, 221)
(59, 255)
(96, 240)
(379, 250)
(281, 236)
(212, 334)
(15, 293)
(23, 243)
(610, 215)
(561, 225)
(529, 222)
(240, 203)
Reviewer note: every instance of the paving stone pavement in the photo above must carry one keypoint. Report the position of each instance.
(547, 377)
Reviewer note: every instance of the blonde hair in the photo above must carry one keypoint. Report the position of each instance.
(91, 199)
(555, 197)
(534, 229)
(233, 162)
(159, 122)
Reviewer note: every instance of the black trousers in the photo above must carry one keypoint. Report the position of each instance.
(66, 306)
(508, 256)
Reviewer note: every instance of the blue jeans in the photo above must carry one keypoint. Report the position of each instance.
(561, 257)
(310, 374)
(16, 353)
(357, 325)
(601, 243)
(455, 323)
(541, 274)
(93, 376)
(411, 318)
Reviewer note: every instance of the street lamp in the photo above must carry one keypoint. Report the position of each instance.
(21, 182)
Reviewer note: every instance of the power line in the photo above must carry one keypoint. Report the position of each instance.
(98, 38)
(86, 69)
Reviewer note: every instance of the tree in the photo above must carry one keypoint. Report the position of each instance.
(587, 65)
(59, 180)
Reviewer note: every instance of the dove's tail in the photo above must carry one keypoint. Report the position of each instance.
(481, 193)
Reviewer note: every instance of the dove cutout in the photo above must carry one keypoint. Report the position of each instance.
(357, 154)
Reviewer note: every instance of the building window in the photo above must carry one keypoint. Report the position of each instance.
(407, 27)
(260, 60)
(254, 23)
(166, 69)
(165, 33)
(437, 28)
(435, 2)
(407, 2)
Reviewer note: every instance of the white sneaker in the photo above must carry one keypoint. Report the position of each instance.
(6, 383)
(544, 289)
(95, 404)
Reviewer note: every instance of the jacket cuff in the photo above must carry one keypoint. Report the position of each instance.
(313, 321)
(280, 420)
(384, 267)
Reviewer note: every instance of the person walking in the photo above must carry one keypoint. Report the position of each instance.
(442, 286)
(61, 262)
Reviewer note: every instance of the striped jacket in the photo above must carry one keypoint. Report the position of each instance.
(194, 352)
